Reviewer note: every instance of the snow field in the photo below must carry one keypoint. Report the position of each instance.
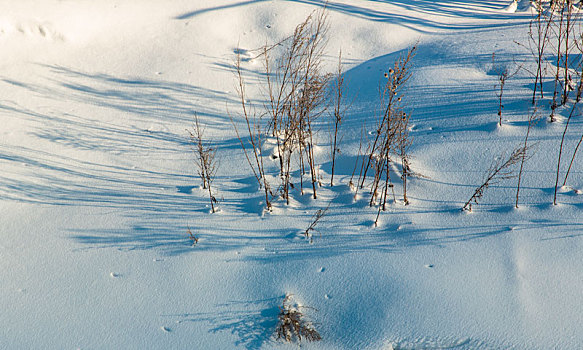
(98, 186)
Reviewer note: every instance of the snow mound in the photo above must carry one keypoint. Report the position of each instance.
(511, 8)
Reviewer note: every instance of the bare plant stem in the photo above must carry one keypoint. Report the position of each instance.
(405, 166)
(531, 121)
(573, 108)
(357, 156)
(543, 28)
(191, 236)
(320, 213)
(568, 29)
(560, 37)
(338, 113)
(206, 159)
(502, 78)
(254, 132)
(572, 160)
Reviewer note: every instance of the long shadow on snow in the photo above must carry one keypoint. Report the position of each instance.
(157, 100)
(167, 233)
(484, 10)
(450, 101)
(90, 134)
(61, 180)
(253, 322)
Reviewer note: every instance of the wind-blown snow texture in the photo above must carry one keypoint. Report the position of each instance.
(98, 185)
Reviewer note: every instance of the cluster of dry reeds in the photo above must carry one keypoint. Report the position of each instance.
(555, 38)
(556, 43)
(298, 93)
(391, 137)
(296, 90)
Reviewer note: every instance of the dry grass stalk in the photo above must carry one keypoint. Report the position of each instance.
(403, 143)
(191, 236)
(205, 154)
(572, 160)
(503, 75)
(540, 29)
(570, 27)
(532, 119)
(320, 213)
(254, 131)
(499, 170)
(358, 155)
(561, 34)
(338, 113)
(579, 45)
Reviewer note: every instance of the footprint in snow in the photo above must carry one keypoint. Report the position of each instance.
(185, 189)
(434, 344)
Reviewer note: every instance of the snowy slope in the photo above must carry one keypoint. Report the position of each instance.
(98, 185)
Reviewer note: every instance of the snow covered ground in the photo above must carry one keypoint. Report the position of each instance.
(98, 185)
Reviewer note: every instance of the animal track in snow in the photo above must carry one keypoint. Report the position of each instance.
(434, 344)
(245, 55)
(32, 29)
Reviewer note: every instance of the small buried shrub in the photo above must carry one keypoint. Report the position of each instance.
(293, 325)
